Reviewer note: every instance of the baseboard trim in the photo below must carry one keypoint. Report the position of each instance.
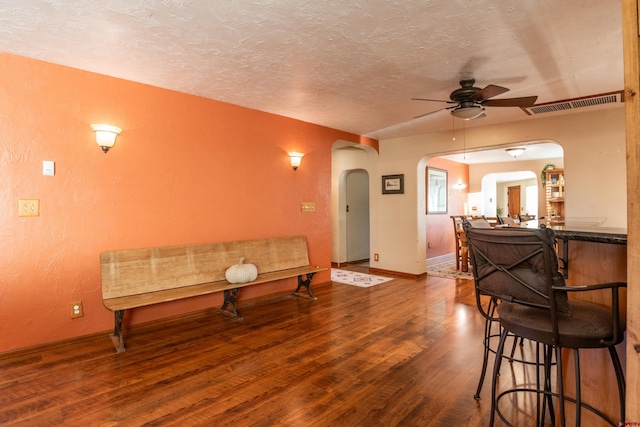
(441, 259)
(398, 273)
(346, 263)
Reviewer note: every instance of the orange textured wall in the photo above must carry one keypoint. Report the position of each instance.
(439, 226)
(184, 170)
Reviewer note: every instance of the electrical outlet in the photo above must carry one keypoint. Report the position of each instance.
(76, 309)
(376, 257)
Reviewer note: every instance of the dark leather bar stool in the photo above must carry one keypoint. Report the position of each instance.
(519, 267)
(487, 307)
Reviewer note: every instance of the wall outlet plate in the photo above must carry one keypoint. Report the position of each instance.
(76, 309)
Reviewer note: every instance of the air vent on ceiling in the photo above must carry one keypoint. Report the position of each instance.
(572, 104)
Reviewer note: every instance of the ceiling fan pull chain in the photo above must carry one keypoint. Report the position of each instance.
(464, 142)
(453, 128)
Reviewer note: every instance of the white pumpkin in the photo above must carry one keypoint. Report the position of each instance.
(241, 273)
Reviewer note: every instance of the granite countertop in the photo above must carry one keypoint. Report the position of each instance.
(586, 232)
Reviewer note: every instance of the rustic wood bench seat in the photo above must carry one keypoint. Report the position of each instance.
(140, 277)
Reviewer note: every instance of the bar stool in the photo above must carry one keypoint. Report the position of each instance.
(519, 267)
(488, 311)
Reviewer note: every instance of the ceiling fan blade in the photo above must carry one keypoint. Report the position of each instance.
(527, 101)
(488, 92)
(432, 112)
(433, 100)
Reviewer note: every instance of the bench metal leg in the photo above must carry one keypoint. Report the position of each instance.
(117, 339)
(230, 297)
(307, 284)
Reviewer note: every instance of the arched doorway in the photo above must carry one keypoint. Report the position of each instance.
(499, 199)
(353, 167)
(491, 170)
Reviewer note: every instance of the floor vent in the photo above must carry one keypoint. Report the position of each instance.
(572, 104)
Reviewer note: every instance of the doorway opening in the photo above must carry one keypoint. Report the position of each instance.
(352, 168)
(509, 194)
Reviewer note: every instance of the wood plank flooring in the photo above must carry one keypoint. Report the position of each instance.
(403, 353)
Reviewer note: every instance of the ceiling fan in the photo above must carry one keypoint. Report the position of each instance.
(469, 101)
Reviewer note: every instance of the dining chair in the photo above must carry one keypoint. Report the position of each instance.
(493, 220)
(524, 217)
(458, 232)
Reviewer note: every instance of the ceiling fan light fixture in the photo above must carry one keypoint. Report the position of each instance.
(516, 151)
(468, 113)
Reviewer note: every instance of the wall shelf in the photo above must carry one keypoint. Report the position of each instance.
(555, 194)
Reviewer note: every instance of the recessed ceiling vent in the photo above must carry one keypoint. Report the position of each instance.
(572, 104)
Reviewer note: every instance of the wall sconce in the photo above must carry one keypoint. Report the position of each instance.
(515, 152)
(296, 158)
(460, 186)
(106, 135)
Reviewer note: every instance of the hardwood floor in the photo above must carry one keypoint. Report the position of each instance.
(403, 353)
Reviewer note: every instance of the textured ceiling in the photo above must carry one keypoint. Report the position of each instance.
(352, 65)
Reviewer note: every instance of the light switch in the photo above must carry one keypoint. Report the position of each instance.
(28, 207)
(308, 207)
(48, 168)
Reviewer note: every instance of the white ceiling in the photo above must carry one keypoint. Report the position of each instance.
(352, 65)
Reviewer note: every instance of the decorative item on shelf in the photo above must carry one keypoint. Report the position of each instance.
(543, 175)
(106, 135)
(515, 151)
(241, 273)
(296, 159)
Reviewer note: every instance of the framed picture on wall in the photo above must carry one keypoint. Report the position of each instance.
(393, 184)
(437, 194)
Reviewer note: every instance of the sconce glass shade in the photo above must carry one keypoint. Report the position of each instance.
(468, 113)
(296, 158)
(515, 152)
(106, 135)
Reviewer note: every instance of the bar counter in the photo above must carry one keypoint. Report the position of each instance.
(583, 231)
(592, 254)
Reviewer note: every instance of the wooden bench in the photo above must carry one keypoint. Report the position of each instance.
(140, 277)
